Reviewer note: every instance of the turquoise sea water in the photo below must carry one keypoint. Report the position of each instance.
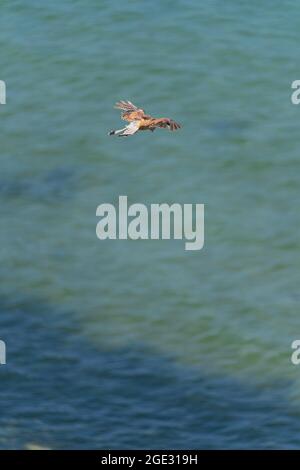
(141, 344)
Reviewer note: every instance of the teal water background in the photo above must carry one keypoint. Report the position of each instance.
(141, 344)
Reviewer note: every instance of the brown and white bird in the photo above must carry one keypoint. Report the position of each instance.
(139, 121)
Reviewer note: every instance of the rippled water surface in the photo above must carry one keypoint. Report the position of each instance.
(123, 344)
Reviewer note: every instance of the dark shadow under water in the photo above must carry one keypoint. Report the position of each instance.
(53, 185)
(60, 391)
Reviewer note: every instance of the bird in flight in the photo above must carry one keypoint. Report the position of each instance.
(139, 121)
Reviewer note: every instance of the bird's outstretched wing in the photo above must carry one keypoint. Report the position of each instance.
(127, 106)
(130, 111)
(166, 122)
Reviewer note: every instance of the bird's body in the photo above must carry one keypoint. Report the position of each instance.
(139, 121)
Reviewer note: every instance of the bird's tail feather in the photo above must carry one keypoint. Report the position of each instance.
(117, 131)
